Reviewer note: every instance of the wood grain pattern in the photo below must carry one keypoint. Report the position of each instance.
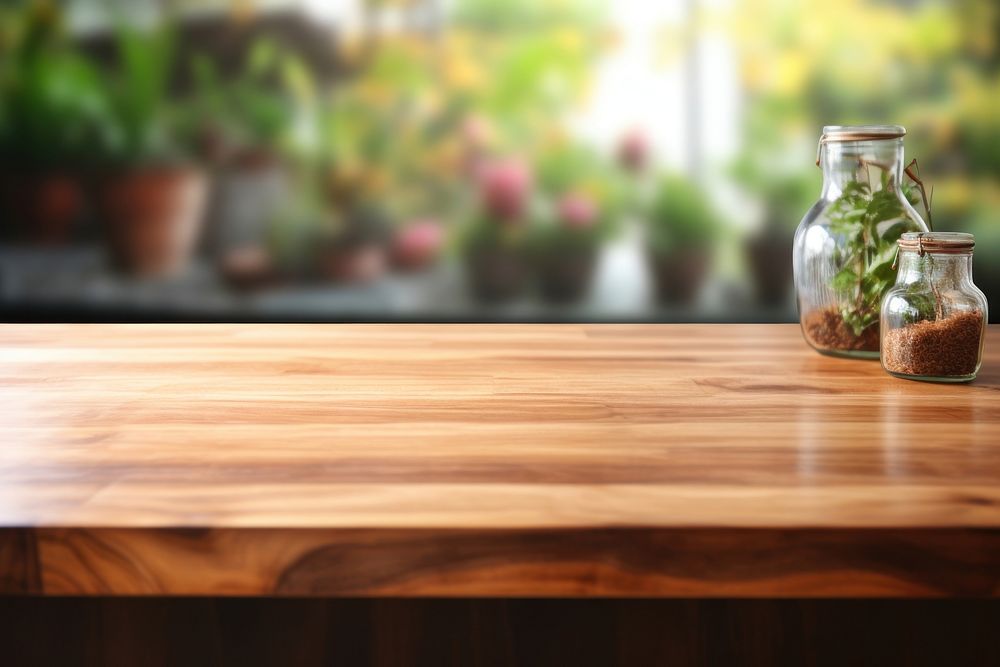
(488, 460)
(547, 563)
(19, 572)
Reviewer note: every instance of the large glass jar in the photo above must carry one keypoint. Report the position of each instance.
(934, 318)
(845, 245)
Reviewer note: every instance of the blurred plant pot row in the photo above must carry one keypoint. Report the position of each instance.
(333, 239)
(152, 219)
(217, 170)
(683, 230)
(151, 216)
(515, 242)
(519, 237)
(496, 274)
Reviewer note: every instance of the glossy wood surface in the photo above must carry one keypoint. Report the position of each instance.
(666, 460)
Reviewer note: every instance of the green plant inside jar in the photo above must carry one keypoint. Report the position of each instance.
(871, 223)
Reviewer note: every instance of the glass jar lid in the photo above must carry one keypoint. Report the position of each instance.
(845, 134)
(937, 243)
(838, 133)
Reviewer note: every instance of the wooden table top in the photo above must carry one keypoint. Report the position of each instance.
(650, 460)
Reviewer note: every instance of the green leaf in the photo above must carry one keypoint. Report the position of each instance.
(858, 320)
(263, 54)
(846, 226)
(867, 255)
(885, 253)
(298, 79)
(884, 205)
(852, 319)
(140, 97)
(871, 291)
(856, 189)
(846, 279)
(895, 231)
(882, 271)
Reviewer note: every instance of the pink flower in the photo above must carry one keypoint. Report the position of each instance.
(505, 186)
(577, 211)
(418, 243)
(633, 150)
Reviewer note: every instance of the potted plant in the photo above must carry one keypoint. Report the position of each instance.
(308, 239)
(152, 194)
(243, 124)
(51, 96)
(587, 194)
(681, 232)
(494, 242)
(296, 233)
(565, 246)
(633, 151)
(353, 152)
(356, 249)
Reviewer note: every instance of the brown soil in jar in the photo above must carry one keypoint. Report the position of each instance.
(941, 348)
(826, 330)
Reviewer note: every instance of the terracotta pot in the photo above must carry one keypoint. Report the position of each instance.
(680, 274)
(769, 257)
(566, 277)
(153, 218)
(495, 274)
(41, 208)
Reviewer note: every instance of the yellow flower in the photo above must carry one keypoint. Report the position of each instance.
(568, 39)
(791, 71)
(463, 74)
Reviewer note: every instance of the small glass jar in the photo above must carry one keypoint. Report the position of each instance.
(934, 318)
(845, 244)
